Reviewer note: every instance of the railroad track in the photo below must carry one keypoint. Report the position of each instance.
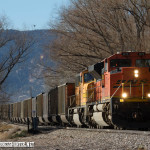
(111, 131)
(97, 130)
(46, 129)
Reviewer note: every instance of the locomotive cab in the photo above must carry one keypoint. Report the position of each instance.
(125, 94)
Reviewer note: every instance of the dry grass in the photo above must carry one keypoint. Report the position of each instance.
(8, 131)
(19, 134)
(5, 131)
(5, 127)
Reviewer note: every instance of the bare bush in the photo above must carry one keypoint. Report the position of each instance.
(14, 48)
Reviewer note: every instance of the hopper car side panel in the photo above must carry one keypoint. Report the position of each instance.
(29, 101)
(25, 110)
(46, 116)
(40, 107)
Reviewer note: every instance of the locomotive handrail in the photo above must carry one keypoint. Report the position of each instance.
(71, 102)
(90, 96)
(92, 93)
(116, 91)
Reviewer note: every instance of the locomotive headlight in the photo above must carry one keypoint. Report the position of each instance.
(136, 71)
(136, 75)
(148, 95)
(124, 95)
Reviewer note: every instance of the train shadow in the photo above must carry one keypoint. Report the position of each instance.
(44, 129)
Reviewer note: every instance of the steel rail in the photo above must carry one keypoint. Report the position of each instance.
(50, 128)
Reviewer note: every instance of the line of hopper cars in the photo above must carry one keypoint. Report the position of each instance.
(48, 108)
(112, 93)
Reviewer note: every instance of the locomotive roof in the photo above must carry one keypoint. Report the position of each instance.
(121, 55)
(128, 54)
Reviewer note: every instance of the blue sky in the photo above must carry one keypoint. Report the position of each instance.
(24, 14)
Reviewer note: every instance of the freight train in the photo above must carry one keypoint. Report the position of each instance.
(114, 93)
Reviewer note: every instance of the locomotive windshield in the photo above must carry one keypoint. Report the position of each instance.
(120, 63)
(88, 77)
(143, 63)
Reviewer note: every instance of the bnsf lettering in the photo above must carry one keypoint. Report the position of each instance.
(132, 82)
(118, 82)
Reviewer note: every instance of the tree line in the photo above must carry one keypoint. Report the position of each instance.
(91, 30)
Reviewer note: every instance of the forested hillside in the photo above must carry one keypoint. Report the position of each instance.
(25, 79)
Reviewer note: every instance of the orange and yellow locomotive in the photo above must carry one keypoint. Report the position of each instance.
(114, 92)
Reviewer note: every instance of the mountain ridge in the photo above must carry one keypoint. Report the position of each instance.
(20, 83)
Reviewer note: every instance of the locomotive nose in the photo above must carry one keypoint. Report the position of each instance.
(135, 83)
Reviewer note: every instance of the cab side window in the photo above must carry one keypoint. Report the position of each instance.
(88, 77)
(143, 63)
(120, 63)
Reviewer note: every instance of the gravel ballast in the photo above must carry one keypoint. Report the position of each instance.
(78, 139)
